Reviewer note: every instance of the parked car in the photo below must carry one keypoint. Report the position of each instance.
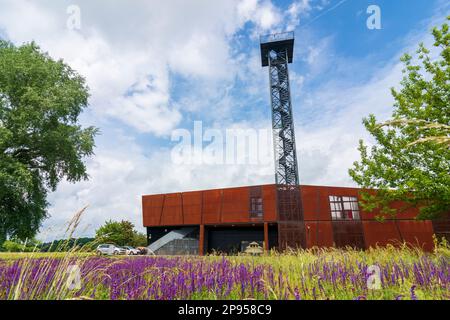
(131, 251)
(110, 249)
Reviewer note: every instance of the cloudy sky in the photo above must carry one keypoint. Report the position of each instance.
(157, 66)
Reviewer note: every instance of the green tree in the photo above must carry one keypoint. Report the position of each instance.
(41, 141)
(140, 240)
(410, 160)
(64, 245)
(120, 233)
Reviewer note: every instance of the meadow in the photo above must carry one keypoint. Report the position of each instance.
(393, 273)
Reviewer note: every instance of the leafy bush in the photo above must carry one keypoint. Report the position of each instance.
(12, 246)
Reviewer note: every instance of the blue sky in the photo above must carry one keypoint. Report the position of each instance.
(154, 67)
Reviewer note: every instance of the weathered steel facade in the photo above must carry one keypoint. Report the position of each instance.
(285, 214)
(324, 217)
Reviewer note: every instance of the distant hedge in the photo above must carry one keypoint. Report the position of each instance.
(67, 244)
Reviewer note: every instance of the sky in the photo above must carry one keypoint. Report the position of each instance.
(155, 69)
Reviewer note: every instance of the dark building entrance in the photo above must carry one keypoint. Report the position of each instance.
(233, 239)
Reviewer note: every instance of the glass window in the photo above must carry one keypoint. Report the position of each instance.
(344, 208)
(256, 207)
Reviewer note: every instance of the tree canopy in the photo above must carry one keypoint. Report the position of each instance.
(63, 245)
(120, 233)
(410, 160)
(41, 141)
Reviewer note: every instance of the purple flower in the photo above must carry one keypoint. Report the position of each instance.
(163, 278)
(297, 294)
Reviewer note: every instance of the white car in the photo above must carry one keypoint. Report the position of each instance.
(109, 249)
(131, 251)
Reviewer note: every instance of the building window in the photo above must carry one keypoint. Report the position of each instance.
(344, 208)
(256, 202)
(256, 207)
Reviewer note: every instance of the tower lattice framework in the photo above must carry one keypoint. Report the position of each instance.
(276, 54)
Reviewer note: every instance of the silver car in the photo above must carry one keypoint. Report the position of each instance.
(131, 251)
(109, 249)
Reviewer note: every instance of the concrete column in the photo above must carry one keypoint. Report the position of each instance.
(266, 236)
(201, 242)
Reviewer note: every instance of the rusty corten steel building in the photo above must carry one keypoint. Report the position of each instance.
(281, 215)
(222, 219)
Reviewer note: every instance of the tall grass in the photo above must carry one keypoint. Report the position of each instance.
(318, 273)
(331, 273)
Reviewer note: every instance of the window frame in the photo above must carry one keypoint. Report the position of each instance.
(340, 206)
(256, 207)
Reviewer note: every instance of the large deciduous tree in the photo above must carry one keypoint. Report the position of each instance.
(41, 141)
(410, 160)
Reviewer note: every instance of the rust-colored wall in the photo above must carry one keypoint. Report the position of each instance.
(319, 234)
(402, 213)
(316, 203)
(291, 234)
(348, 233)
(218, 206)
(232, 205)
(192, 207)
(269, 194)
(316, 206)
(235, 205)
(201, 242)
(414, 233)
(211, 206)
(152, 209)
(381, 233)
(172, 213)
(417, 233)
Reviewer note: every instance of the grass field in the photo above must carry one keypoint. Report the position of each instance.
(382, 273)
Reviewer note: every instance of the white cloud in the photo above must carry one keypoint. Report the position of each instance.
(295, 11)
(113, 50)
(330, 135)
(189, 58)
(119, 176)
(129, 54)
(261, 12)
(120, 44)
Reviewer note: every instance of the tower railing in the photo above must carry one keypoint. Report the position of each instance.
(282, 36)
